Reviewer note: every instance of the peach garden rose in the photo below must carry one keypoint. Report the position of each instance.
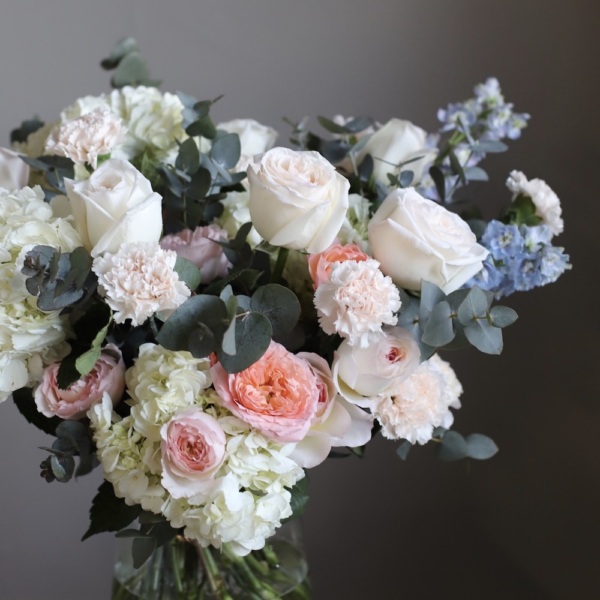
(278, 395)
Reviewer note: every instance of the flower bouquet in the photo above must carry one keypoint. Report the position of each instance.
(205, 315)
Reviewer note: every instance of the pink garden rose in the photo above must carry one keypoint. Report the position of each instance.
(107, 377)
(192, 451)
(319, 265)
(278, 395)
(200, 246)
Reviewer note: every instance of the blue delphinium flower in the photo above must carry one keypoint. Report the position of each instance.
(521, 258)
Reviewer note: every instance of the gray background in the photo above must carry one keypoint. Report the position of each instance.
(523, 525)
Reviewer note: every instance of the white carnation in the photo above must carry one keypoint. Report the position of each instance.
(84, 139)
(139, 281)
(547, 204)
(356, 301)
(421, 403)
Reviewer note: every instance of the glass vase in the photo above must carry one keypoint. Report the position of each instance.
(181, 569)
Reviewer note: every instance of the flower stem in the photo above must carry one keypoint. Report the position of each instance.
(280, 264)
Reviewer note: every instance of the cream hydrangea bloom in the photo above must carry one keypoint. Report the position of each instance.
(420, 403)
(29, 338)
(139, 281)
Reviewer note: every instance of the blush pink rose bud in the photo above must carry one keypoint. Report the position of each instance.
(107, 377)
(319, 265)
(200, 246)
(192, 451)
(278, 395)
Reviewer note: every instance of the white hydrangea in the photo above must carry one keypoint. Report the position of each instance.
(420, 403)
(162, 382)
(235, 214)
(250, 496)
(29, 338)
(153, 119)
(356, 301)
(547, 204)
(355, 226)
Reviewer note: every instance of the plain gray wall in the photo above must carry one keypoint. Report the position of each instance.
(523, 525)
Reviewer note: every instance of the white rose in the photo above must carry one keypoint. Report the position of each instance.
(297, 199)
(416, 239)
(115, 205)
(396, 142)
(255, 138)
(362, 373)
(14, 172)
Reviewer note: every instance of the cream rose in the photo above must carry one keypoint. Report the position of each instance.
(396, 142)
(14, 172)
(360, 374)
(416, 239)
(115, 205)
(297, 199)
(255, 138)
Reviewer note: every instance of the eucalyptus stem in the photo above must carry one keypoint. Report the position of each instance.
(280, 264)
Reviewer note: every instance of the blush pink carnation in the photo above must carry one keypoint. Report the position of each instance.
(278, 395)
(357, 301)
(200, 246)
(107, 377)
(192, 451)
(319, 265)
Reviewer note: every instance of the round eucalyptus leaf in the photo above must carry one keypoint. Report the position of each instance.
(480, 447)
(452, 447)
(278, 304)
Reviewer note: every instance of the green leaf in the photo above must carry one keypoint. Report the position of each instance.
(333, 127)
(109, 513)
(62, 467)
(279, 304)
(503, 316)
(403, 449)
(226, 150)
(142, 549)
(204, 127)
(299, 498)
(187, 272)
(485, 337)
(452, 447)
(439, 329)
(431, 294)
(439, 180)
(87, 361)
(197, 325)
(480, 447)
(132, 70)
(27, 127)
(23, 398)
(252, 338)
(476, 174)
(188, 157)
(123, 47)
(474, 306)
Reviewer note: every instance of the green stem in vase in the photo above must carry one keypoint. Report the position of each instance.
(215, 581)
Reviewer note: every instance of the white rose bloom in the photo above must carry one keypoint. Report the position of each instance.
(139, 281)
(416, 239)
(14, 171)
(547, 204)
(255, 138)
(356, 301)
(84, 139)
(297, 199)
(360, 374)
(396, 142)
(421, 403)
(114, 206)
